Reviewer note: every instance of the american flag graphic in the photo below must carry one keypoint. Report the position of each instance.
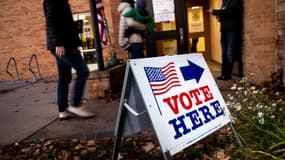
(162, 79)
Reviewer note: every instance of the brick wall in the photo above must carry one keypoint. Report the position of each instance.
(280, 14)
(22, 34)
(259, 39)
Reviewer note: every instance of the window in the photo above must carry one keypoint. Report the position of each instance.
(85, 32)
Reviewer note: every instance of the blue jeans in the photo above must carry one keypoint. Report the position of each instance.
(71, 59)
(136, 50)
(228, 43)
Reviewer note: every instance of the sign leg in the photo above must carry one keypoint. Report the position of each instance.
(118, 134)
(120, 122)
(167, 156)
(236, 135)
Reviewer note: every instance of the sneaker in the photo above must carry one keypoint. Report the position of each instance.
(64, 115)
(126, 46)
(80, 112)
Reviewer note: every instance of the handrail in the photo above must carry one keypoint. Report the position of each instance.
(37, 65)
(7, 68)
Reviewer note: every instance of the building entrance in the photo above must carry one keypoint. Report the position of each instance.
(187, 30)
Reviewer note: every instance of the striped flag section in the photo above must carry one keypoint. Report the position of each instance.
(162, 79)
(100, 17)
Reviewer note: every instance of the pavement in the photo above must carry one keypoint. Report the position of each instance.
(29, 112)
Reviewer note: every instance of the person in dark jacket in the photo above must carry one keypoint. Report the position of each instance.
(229, 17)
(63, 41)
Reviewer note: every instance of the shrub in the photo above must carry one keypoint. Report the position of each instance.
(259, 118)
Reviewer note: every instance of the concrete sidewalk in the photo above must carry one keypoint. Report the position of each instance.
(29, 112)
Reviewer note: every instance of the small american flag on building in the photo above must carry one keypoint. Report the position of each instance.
(101, 17)
(162, 79)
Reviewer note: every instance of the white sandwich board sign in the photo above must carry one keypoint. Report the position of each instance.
(176, 95)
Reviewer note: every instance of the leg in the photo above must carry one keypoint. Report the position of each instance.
(231, 49)
(74, 58)
(224, 45)
(64, 78)
(228, 47)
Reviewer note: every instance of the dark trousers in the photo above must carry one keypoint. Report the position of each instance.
(228, 43)
(71, 59)
(136, 50)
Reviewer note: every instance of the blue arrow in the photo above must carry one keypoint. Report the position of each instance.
(192, 71)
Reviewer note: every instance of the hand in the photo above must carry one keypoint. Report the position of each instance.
(210, 10)
(60, 51)
(218, 18)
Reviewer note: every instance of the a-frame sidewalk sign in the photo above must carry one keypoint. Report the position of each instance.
(175, 95)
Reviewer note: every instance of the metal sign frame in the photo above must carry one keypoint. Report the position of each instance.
(135, 115)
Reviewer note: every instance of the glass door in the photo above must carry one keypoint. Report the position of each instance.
(198, 26)
(170, 36)
(181, 27)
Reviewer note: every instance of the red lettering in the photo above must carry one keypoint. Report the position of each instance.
(194, 93)
(207, 93)
(200, 95)
(174, 105)
(183, 100)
